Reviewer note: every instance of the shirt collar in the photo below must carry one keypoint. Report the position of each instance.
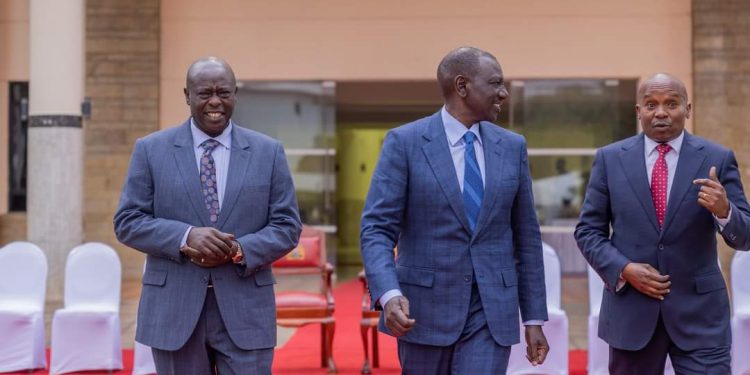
(676, 143)
(225, 138)
(455, 130)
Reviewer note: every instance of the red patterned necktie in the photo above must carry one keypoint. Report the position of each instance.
(659, 178)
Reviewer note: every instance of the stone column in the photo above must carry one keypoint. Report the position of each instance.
(55, 183)
(721, 77)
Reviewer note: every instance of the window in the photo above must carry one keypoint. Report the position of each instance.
(18, 121)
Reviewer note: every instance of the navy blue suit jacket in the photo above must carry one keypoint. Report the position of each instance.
(415, 202)
(162, 198)
(696, 311)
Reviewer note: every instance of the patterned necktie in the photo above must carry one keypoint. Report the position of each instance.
(473, 187)
(659, 178)
(208, 179)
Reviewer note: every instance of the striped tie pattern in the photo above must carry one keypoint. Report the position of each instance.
(473, 187)
(659, 175)
(208, 180)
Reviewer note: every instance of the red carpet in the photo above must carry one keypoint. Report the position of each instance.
(301, 354)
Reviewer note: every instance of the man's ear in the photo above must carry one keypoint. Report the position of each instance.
(689, 110)
(460, 83)
(187, 95)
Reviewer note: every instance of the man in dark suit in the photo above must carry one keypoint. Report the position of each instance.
(648, 227)
(453, 191)
(212, 205)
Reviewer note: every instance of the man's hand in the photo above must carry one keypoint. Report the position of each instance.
(213, 244)
(396, 313)
(536, 345)
(196, 257)
(712, 195)
(647, 280)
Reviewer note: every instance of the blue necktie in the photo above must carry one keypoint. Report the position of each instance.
(473, 187)
(208, 180)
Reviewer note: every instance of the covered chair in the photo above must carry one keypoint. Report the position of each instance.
(300, 308)
(740, 313)
(86, 332)
(598, 360)
(143, 360)
(555, 329)
(23, 284)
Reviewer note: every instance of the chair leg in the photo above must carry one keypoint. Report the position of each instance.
(363, 327)
(375, 354)
(330, 329)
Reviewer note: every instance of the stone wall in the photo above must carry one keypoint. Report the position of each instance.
(122, 80)
(721, 77)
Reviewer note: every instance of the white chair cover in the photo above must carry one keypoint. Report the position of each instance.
(598, 355)
(143, 360)
(741, 313)
(23, 284)
(555, 329)
(86, 332)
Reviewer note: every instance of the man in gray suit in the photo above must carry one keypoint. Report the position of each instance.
(212, 205)
(453, 191)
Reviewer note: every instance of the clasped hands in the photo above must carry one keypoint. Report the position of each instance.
(647, 279)
(208, 247)
(397, 320)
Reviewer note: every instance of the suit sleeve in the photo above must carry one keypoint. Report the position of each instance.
(282, 232)
(593, 230)
(382, 216)
(135, 224)
(736, 233)
(527, 244)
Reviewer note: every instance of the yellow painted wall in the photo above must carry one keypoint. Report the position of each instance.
(356, 156)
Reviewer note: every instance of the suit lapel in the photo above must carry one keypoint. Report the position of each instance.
(437, 153)
(493, 170)
(184, 156)
(689, 163)
(239, 161)
(634, 165)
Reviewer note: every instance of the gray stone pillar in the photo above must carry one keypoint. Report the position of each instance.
(56, 84)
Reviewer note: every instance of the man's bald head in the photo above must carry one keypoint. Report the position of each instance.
(207, 62)
(663, 80)
(461, 61)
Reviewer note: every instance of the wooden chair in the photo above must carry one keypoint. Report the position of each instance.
(370, 319)
(300, 308)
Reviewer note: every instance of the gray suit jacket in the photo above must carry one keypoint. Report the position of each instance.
(696, 311)
(162, 197)
(415, 201)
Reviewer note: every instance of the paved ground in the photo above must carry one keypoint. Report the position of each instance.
(574, 300)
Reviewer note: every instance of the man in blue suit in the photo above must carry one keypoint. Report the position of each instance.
(212, 205)
(648, 227)
(453, 192)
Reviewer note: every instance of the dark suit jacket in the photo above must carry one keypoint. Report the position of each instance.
(696, 311)
(162, 198)
(415, 201)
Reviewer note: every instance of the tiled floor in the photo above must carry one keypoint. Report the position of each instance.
(574, 301)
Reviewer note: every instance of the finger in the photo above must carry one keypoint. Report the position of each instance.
(227, 238)
(394, 327)
(712, 174)
(404, 303)
(542, 354)
(531, 353)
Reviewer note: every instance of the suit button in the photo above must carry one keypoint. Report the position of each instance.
(467, 278)
(661, 246)
(205, 279)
